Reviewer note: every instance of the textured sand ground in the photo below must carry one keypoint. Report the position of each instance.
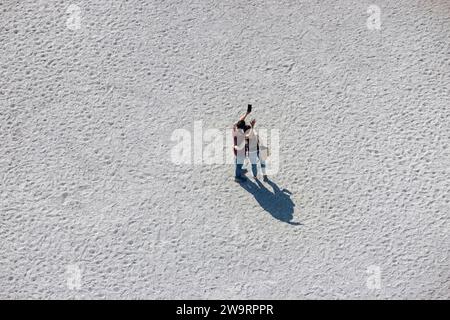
(87, 181)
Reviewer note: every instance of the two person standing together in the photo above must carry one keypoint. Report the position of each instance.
(247, 144)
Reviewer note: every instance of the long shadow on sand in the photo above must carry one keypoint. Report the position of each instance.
(278, 203)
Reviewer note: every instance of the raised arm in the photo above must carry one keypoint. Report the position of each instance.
(244, 116)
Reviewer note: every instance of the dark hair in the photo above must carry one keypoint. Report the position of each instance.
(247, 127)
(241, 125)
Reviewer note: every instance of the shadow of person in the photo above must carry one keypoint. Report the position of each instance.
(278, 203)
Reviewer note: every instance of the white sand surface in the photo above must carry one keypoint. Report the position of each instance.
(92, 205)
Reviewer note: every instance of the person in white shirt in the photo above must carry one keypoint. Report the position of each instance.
(256, 151)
